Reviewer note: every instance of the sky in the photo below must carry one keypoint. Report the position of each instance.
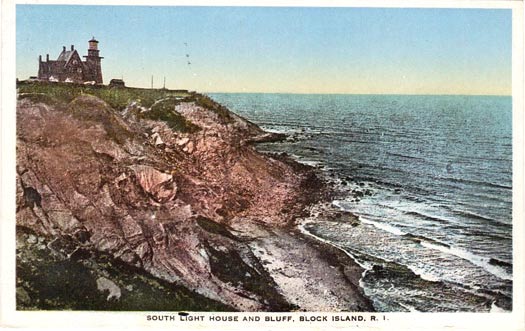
(280, 49)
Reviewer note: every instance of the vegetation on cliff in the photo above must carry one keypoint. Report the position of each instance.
(164, 110)
(138, 191)
(148, 178)
(117, 98)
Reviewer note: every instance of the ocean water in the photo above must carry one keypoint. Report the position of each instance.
(430, 178)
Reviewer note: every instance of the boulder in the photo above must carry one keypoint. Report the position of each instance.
(158, 184)
(104, 284)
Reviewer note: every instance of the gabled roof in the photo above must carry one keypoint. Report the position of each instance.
(66, 56)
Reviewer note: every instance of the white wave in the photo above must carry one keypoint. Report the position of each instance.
(302, 160)
(480, 261)
(276, 130)
(309, 162)
(383, 226)
(424, 275)
(477, 260)
(343, 205)
(364, 265)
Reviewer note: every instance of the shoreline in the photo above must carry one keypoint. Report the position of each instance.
(316, 195)
(311, 274)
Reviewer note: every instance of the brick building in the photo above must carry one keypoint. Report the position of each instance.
(69, 67)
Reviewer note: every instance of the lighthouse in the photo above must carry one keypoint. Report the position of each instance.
(93, 60)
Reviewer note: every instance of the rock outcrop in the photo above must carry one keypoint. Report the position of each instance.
(163, 188)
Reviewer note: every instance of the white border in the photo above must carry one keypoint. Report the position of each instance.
(9, 317)
(297, 3)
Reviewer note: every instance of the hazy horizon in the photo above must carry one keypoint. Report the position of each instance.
(298, 50)
(328, 93)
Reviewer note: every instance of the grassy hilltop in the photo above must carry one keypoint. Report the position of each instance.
(118, 98)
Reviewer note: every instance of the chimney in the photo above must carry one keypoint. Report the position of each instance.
(63, 48)
(72, 47)
(47, 57)
(40, 58)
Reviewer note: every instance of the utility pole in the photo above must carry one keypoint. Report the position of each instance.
(151, 81)
(164, 86)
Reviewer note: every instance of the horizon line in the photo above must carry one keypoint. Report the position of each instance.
(321, 93)
(350, 93)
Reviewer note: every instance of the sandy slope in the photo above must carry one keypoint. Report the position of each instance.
(308, 273)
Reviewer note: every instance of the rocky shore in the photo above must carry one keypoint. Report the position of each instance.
(132, 199)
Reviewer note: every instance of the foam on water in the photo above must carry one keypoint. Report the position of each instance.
(305, 161)
(310, 163)
(480, 261)
(424, 274)
(432, 194)
(301, 227)
(383, 226)
(281, 130)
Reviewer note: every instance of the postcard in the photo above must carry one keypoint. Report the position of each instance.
(300, 165)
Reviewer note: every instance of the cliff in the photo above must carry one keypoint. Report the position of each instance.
(143, 193)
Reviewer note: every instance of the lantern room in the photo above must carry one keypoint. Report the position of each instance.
(93, 44)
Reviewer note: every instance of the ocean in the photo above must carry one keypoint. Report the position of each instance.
(430, 179)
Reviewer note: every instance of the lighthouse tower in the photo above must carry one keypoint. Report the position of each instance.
(93, 63)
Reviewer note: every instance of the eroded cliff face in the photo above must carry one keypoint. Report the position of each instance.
(173, 189)
(157, 193)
